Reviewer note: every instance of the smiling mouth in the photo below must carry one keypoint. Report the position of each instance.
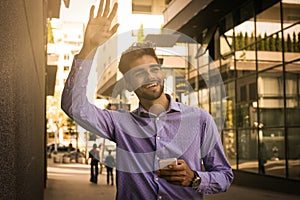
(151, 85)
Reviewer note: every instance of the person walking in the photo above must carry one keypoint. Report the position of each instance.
(158, 129)
(109, 164)
(94, 156)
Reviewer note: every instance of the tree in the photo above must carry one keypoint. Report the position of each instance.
(140, 35)
(288, 44)
(266, 42)
(50, 32)
(295, 46)
(271, 43)
(239, 41)
(298, 43)
(277, 43)
(260, 43)
(252, 42)
(246, 40)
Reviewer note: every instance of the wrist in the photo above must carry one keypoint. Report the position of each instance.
(195, 181)
(86, 54)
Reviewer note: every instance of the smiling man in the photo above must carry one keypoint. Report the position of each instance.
(158, 129)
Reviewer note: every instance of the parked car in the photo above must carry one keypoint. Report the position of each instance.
(60, 148)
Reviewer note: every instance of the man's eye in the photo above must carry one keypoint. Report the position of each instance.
(155, 69)
(138, 74)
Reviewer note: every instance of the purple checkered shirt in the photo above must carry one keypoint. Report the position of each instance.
(142, 139)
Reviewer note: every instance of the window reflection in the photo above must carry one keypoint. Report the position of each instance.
(292, 85)
(230, 105)
(247, 149)
(272, 151)
(259, 62)
(271, 98)
(294, 153)
(229, 143)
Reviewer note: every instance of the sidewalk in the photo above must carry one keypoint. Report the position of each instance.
(71, 181)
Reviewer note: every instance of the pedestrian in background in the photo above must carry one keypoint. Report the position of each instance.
(109, 163)
(94, 156)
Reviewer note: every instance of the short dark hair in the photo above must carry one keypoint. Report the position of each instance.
(137, 50)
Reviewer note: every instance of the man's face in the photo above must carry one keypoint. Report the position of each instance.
(145, 77)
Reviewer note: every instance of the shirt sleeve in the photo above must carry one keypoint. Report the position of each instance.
(76, 105)
(218, 174)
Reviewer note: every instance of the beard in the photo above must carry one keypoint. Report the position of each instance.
(149, 95)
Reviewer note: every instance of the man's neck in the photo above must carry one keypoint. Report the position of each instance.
(156, 106)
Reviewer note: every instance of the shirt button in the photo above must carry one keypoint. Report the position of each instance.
(158, 137)
(157, 158)
(157, 118)
(159, 197)
(156, 179)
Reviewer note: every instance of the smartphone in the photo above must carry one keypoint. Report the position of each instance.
(168, 161)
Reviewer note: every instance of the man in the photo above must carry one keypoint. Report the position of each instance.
(159, 129)
(109, 164)
(94, 156)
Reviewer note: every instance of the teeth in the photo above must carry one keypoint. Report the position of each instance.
(151, 85)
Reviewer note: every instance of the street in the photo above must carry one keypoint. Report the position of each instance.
(71, 181)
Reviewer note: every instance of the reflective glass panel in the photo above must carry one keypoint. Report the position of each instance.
(230, 105)
(292, 43)
(290, 12)
(246, 113)
(292, 85)
(271, 98)
(269, 51)
(229, 143)
(274, 151)
(247, 150)
(294, 153)
(269, 46)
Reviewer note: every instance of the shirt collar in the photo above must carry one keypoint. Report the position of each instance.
(173, 107)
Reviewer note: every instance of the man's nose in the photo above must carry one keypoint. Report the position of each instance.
(150, 74)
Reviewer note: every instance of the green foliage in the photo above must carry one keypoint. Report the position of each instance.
(288, 44)
(140, 35)
(50, 32)
(277, 43)
(271, 43)
(298, 42)
(252, 42)
(260, 44)
(239, 41)
(268, 43)
(295, 46)
(71, 126)
(246, 41)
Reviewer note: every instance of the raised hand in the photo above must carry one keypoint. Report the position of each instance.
(98, 29)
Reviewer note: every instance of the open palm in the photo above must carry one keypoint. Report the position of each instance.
(99, 27)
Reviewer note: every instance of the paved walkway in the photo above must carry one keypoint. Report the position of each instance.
(71, 181)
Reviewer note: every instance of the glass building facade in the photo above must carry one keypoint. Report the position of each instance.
(256, 50)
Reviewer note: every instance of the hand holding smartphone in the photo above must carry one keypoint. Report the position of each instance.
(168, 161)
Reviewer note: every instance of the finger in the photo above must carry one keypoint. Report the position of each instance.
(114, 29)
(113, 12)
(92, 12)
(100, 9)
(175, 182)
(106, 10)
